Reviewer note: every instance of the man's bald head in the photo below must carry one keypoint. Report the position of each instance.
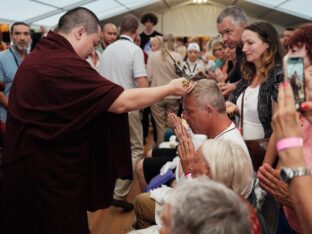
(109, 33)
(109, 26)
(78, 17)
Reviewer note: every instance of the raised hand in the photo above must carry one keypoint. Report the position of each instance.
(173, 120)
(181, 86)
(185, 149)
(285, 121)
(286, 124)
(270, 181)
(220, 76)
(226, 88)
(231, 108)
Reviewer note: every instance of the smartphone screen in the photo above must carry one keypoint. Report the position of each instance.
(295, 76)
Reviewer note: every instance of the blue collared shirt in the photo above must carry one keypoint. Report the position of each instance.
(9, 63)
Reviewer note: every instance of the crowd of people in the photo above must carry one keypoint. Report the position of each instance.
(75, 112)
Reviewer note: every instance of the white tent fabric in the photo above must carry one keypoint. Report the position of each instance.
(203, 20)
(47, 12)
(181, 17)
(301, 8)
(202, 23)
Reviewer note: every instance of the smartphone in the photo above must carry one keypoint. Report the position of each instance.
(294, 73)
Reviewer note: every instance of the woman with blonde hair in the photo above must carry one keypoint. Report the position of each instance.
(156, 43)
(222, 161)
(217, 47)
(160, 71)
(227, 163)
(220, 70)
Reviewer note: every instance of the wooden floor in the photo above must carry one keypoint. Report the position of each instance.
(114, 220)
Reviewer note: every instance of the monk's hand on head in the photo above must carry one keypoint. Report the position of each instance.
(181, 86)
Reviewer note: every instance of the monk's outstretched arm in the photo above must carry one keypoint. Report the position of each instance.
(134, 99)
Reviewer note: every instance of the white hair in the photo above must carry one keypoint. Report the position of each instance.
(203, 206)
(229, 164)
(207, 92)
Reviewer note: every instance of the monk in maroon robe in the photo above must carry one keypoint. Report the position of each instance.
(66, 140)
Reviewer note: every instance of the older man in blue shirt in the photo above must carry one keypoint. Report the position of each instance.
(10, 60)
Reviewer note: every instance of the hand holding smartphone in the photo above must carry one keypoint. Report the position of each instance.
(294, 74)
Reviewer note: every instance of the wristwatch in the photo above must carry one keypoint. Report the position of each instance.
(287, 174)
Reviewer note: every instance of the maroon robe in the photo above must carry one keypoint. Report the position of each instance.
(63, 150)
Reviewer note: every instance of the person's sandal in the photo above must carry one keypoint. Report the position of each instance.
(126, 206)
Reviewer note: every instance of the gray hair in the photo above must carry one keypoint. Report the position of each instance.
(235, 12)
(215, 41)
(79, 16)
(203, 206)
(168, 41)
(207, 92)
(229, 164)
(129, 23)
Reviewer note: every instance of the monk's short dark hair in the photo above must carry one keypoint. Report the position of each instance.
(18, 23)
(151, 17)
(129, 23)
(79, 16)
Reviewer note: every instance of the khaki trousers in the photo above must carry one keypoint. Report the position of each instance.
(160, 111)
(122, 187)
(144, 207)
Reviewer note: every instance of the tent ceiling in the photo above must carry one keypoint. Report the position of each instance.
(301, 8)
(47, 12)
(275, 11)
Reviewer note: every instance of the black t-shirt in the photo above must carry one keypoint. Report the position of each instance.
(235, 74)
(145, 40)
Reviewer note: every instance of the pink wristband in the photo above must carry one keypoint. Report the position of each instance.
(289, 142)
(188, 175)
